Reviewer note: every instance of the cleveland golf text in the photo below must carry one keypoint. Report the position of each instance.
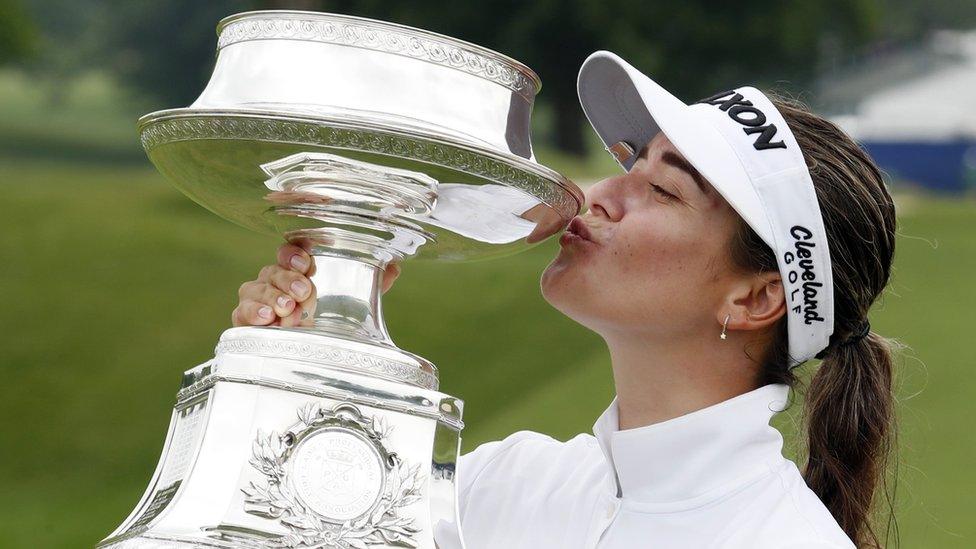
(804, 251)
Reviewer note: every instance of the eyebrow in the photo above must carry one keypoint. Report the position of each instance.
(676, 161)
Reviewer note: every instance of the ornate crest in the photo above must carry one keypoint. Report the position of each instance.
(332, 482)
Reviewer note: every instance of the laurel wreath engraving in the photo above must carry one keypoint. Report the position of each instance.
(275, 499)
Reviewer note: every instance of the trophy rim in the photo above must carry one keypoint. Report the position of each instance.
(469, 47)
(370, 124)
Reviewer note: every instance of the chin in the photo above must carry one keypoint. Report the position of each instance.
(587, 299)
(564, 289)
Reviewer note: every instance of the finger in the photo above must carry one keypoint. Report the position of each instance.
(257, 290)
(304, 313)
(264, 275)
(390, 275)
(306, 245)
(282, 303)
(293, 319)
(267, 294)
(294, 284)
(252, 313)
(294, 257)
(307, 309)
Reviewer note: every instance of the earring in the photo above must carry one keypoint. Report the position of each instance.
(724, 326)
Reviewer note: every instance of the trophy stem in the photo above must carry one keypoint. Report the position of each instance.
(348, 297)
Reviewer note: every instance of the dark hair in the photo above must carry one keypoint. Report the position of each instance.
(849, 411)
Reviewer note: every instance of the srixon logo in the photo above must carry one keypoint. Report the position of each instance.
(742, 111)
(802, 255)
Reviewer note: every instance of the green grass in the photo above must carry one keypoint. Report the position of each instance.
(86, 120)
(114, 283)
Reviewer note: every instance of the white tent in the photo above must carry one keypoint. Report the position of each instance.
(937, 105)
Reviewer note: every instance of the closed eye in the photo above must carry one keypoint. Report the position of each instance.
(659, 190)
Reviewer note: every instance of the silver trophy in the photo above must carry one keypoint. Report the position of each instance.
(367, 142)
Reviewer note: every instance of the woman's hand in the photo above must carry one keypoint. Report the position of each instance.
(283, 292)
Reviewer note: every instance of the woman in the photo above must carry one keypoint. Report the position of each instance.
(746, 236)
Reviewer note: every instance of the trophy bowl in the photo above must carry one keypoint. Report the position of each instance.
(365, 142)
(438, 127)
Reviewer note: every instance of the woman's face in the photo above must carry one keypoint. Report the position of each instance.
(656, 259)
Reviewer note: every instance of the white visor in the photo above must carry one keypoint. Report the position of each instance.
(741, 144)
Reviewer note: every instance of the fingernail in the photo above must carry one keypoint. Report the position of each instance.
(265, 312)
(298, 263)
(284, 302)
(299, 288)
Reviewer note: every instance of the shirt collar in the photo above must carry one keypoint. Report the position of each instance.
(713, 449)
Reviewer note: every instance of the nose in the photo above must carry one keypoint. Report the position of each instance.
(604, 199)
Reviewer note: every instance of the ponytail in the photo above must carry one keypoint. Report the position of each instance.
(849, 421)
(849, 415)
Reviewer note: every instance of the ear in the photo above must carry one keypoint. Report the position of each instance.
(755, 303)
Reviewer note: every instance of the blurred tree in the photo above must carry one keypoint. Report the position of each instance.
(65, 43)
(164, 49)
(693, 47)
(17, 32)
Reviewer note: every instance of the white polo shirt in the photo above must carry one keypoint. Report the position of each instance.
(714, 478)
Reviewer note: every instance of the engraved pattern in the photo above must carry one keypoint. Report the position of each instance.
(382, 38)
(172, 130)
(331, 355)
(275, 498)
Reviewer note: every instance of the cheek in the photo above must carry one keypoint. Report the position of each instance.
(659, 269)
(652, 252)
(655, 271)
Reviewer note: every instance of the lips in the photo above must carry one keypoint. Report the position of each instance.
(579, 229)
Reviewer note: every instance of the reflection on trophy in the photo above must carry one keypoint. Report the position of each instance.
(367, 143)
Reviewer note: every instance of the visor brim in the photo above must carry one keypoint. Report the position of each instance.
(622, 104)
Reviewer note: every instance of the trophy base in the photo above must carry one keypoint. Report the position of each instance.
(290, 439)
